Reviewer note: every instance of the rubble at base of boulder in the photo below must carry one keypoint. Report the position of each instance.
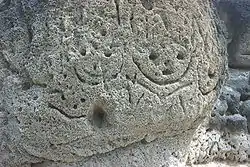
(225, 135)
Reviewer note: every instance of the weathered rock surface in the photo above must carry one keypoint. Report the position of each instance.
(228, 143)
(245, 111)
(225, 136)
(232, 97)
(83, 78)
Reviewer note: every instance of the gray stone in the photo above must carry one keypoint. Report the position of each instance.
(245, 108)
(236, 16)
(85, 78)
(233, 99)
(245, 111)
(221, 107)
(236, 123)
(238, 80)
(217, 122)
(210, 145)
(232, 123)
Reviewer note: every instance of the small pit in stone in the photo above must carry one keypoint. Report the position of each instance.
(180, 56)
(148, 4)
(63, 97)
(157, 74)
(35, 97)
(166, 63)
(83, 100)
(94, 67)
(103, 32)
(211, 75)
(213, 114)
(153, 55)
(83, 52)
(75, 106)
(99, 116)
(167, 72)
(107, 54)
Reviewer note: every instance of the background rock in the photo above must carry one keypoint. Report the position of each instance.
(220, 107)
(232, 98)
(224, 137)
(236, 17)
(245, 111)
(225, 145)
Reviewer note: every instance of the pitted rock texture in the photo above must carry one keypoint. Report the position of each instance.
(225, 136)
(210, 144)
(80, 78)
(235, 95)
(166, 151)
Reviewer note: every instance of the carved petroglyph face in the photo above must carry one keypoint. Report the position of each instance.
(110, 73)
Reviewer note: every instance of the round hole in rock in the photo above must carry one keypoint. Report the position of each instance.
(147, 4)
(166, 63)
(75, 106)
(63, 97)
(211, 75)
(82, 100)
(83, 52)
(153, 55)
(180, 56)
(107, 54)
(94, 66)
(103, 32)
(212, 114)
(157, 74)
(35, 97)
(99, 116)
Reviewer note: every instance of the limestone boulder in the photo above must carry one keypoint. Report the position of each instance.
(82, 78)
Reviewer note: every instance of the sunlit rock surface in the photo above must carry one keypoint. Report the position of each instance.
(82, 79)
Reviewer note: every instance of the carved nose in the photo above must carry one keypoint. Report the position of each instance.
(98, 116)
